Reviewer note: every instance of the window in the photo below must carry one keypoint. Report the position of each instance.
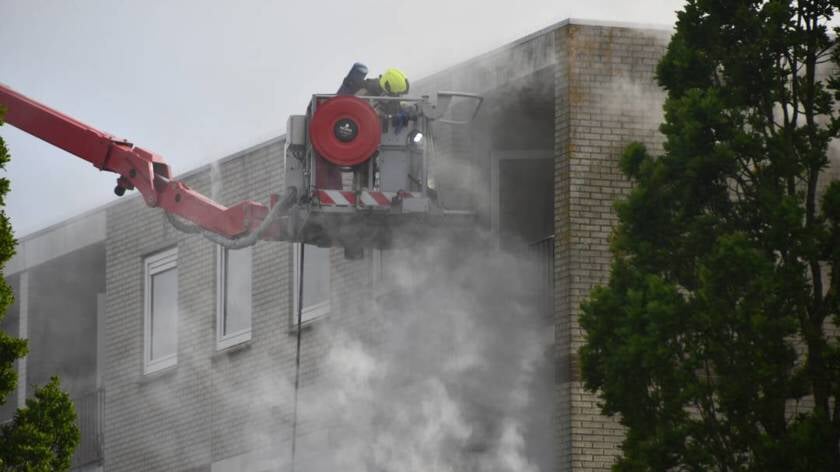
(160, 311)
(316, 283)
(233, 300)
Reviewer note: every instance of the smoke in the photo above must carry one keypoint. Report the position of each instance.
(448, 379)
(640, 99)
(443, 365)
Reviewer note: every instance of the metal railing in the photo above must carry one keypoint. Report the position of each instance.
(542, 253)
(89, 417)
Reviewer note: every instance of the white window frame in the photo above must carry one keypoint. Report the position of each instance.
(153, 265)
(225, 341)
(310, 313)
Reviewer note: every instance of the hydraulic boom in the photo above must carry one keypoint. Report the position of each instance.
(137, 168)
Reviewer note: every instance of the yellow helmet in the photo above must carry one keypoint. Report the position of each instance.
(394, 82)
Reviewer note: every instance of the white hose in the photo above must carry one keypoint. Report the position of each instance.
(237, 243)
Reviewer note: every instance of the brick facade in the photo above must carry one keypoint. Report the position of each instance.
(212, 404)
(606, 98)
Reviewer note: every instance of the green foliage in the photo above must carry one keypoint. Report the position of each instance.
(715, 341)
(43, 435)
(10, 348)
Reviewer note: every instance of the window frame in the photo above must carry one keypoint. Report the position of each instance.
(310, 313)
(224, 341)
(496, 158)
(152, 265)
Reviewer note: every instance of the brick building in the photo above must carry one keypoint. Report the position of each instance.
(188, 349)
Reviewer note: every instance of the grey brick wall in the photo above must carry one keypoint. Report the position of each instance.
(606, 98)
(562, 257)
(213, 404)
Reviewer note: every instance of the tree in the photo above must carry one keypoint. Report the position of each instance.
(715, 340)
(43, 435)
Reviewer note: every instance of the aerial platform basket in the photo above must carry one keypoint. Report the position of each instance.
(361, 168)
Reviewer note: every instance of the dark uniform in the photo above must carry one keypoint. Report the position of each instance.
(356, 83)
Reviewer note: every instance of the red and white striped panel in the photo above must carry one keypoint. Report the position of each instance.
(365, 199)
(336, 198)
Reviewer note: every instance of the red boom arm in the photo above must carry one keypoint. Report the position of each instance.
(137, 167)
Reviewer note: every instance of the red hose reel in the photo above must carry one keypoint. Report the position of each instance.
(345, 131)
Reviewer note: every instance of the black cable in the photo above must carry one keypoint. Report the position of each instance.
(297, 356)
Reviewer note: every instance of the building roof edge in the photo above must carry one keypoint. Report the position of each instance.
(546, 30)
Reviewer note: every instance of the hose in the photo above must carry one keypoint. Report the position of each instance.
(237, 243)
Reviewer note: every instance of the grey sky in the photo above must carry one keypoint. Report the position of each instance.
(196, 80)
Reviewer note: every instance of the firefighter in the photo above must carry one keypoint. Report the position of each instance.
(392, 82)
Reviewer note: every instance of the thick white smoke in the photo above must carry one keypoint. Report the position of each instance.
(449, 379)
